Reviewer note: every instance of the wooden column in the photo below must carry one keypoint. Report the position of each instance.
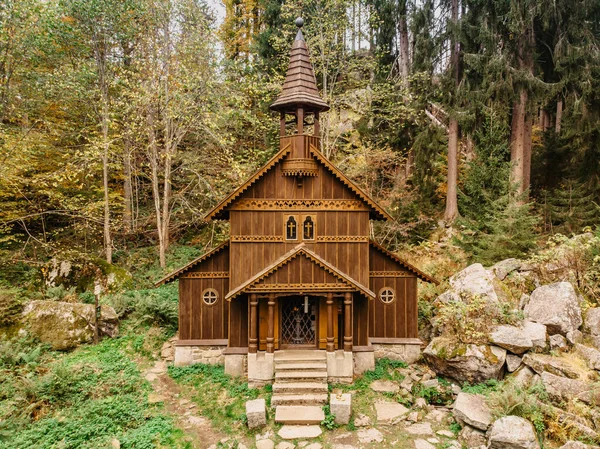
(253, 324)
(348, 322)
(330, 337)
(317, 127)
(282, 125)
(271, 324)
(300, 121)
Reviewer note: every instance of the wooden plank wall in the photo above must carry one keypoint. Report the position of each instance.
(198, 321)
(398, 319)
(248, 258)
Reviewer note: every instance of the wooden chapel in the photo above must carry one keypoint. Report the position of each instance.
(299, 270)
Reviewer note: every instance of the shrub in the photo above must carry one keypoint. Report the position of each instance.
(11, 306)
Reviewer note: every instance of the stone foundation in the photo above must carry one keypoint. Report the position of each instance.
(236, 365)
(261, 369)
(188, 355)
(406, 349)
(363, 361)
(340, 368)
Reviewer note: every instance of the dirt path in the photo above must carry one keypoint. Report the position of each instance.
(197, 429)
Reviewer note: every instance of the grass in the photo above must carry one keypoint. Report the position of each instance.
(82, 399)
(220, 397)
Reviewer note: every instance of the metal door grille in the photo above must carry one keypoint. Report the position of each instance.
(298, 327)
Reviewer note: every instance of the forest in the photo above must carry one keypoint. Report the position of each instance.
(474, 123)
(123, 122)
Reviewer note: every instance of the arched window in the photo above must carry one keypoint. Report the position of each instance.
(386, 295)
(309, 228)
(291, 232)
(210, 296)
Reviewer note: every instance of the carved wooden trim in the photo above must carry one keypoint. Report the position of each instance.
(342, 238)
(291, 204)
(391, 274)
(299, 167)
(256, 238)
(300, 287)
(206, 275)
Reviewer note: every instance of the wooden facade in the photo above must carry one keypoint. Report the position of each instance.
(299, 268)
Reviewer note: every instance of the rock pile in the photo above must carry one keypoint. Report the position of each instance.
(555, 344)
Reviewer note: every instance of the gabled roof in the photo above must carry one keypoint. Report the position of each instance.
(300, 86)
(301, 250)
(377, 211)
(175, 274)
(215, 212)
(409, 267)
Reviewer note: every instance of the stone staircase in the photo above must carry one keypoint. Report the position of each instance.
(300, 388)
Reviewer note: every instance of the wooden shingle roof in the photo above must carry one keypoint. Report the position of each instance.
(300, 86)
(423, 276)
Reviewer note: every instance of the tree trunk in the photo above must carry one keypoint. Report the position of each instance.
(451, 191)
(404, 58)
(127, 187)
(559, 109)
(527, 155)
(517, 147)
(451, 195)
(353, 26)
(104, 125)
(154, 164)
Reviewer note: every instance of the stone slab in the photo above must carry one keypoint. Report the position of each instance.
(299, 414)
(389, 411)
(341, 407)
(290, 432)
(256, 412)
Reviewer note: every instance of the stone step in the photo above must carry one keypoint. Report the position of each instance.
(301, 366)
(300, 355)
(298, 399)
(295, 376)
(299, 414)
(299, 432)
(300, 387)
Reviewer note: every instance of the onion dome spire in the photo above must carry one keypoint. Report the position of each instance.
(300, 86)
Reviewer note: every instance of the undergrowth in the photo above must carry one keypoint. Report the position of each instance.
(82, 399)
(220, 397)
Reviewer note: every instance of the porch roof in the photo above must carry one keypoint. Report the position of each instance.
(300, 251)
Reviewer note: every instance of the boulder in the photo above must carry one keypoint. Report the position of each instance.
(575, 445)
(512, 362)
(591, 324)
(561, 388)
(590, 355)
(471, 437)
(556, 306)
(65, 325)
(524, 377)
(512, 432)
(472, 410)
(511, 338)
(574, 337)
(546, 363)
(558, 342)
(465, 362)
(536, 332)
(505, 267)
(472, 281)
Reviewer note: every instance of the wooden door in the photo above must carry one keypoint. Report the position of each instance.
(299, 322)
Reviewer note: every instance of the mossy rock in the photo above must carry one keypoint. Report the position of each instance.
(66, 325)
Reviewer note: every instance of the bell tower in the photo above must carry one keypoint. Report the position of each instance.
(299, 104)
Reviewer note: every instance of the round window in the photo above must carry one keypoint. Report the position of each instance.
(210, 296)
(386, 294)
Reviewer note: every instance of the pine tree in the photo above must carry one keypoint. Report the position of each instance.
(571, 207)
(509, 230)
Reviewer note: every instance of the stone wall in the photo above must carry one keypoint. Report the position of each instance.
(187, 355)
(407, 352)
